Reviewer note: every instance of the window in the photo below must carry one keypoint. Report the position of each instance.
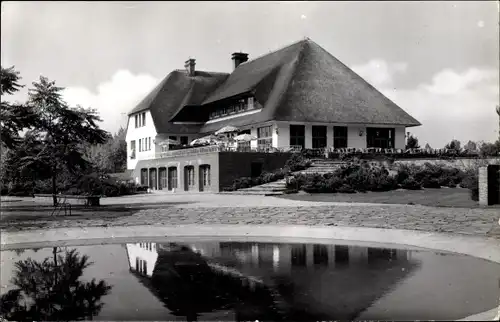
(188, 177)
(144, 176)
(318, 137)
(341, 254)
(297, 135)
(184, 140)
(250, 103)
(380, 138)
(238, 106)
(172, 178)
(299, 255)
(132, 149)
(140, 119)
(381, 254)
(173, 138)
(140, 145)
(264, 137)
(205, 175)
(149, 144)
(320, 255)
(340, 137)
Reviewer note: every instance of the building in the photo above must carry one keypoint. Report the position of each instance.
(297, 97)
(316, 273)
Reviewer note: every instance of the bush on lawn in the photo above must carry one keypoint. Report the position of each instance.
(430, 175)
(361, 176)
(95, 184)
(297, 162)
(351, 177)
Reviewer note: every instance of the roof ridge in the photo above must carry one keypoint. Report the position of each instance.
(203, 71)
(276, 50)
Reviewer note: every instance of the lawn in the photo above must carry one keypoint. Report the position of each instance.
(444, 197)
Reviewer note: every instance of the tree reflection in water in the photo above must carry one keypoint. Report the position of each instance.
(51, 290)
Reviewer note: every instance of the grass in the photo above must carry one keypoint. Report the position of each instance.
(444, 197)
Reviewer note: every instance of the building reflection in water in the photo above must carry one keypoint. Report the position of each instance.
(260, 280)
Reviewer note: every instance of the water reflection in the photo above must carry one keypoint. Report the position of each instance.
(260, 281)
(51, 289)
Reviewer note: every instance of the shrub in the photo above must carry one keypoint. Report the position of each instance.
(346, 189)
(410, 184)
(297, 162)
(430, 183)
(142, 188)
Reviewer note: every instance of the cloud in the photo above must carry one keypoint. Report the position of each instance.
(451, 105)
(113, 98)
(449, 82)
(380, 73)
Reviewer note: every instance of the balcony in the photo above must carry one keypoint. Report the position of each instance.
(221, 148)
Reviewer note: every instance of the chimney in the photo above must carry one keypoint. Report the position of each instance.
(239, 58)
(189, 65)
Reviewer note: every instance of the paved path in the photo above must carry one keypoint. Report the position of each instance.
(225, 209)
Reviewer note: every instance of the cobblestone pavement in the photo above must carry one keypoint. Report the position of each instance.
(269, 210)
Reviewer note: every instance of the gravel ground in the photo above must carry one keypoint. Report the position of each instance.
(166, 209)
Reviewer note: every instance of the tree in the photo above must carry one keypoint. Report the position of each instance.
(13, 117)
(427, 147)
(471, 146)
(51, 290)
(454, 145)
(412, 142)
(56, 143)
(490, 149)
(110, 157)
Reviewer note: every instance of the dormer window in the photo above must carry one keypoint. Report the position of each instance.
(238, 106)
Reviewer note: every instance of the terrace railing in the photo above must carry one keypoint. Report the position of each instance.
(224, 148)
(321, 152)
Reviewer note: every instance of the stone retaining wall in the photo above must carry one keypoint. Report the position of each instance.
(462, 164)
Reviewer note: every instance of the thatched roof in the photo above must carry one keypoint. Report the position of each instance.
(173, 93)
(301, 82)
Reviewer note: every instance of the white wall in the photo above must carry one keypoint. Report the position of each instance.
(308, 134)
(134, 133)
(283, 135)
(275, 135)
(354, 140)
(150, 256)
(400, 139)
(253, 144)
(329, 136)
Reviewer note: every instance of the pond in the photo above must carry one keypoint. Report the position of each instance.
(229, 280)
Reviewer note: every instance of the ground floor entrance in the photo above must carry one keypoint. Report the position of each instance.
(380, 138)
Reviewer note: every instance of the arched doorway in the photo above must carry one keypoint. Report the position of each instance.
(152, 179)
(188, 177)
(204, 177)
(172, 178)
(162, 174)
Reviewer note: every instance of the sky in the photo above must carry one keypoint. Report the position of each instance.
(439, 61)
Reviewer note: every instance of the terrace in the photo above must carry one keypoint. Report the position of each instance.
(330, 153)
